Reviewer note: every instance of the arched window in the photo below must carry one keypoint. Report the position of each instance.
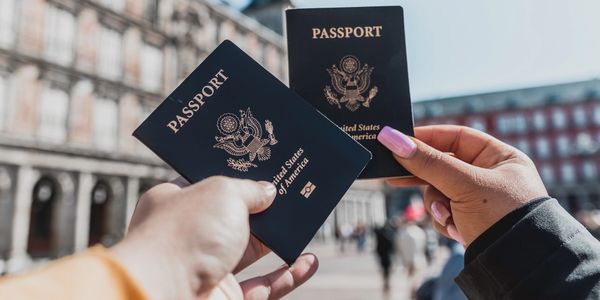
(52, 117)
(99, 213)
(41, 220)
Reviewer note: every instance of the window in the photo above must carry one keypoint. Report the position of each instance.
(59, 35)
(3, 101)
(580, 116)
(543, 147)
(589, 170)
(502, 124)
(109, 53)
(52, 118)
(597, 114)
(523, 145)
(7, 22)
(105, 124)
(559, 119)
(539, 121)
(567, 172)
(117, 5)
(585, 144)
(477, 123)
(547, 173)
(151, 68)
(151, 11)
(562, 145)
(520, 123)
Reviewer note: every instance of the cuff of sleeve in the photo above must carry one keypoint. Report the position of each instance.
(497, 230)
(92, 275)
(129, 287)
(519, 250)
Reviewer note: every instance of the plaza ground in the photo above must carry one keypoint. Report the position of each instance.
(342, 276)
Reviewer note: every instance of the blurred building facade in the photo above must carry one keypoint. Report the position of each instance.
(76, 78)
(558, 126)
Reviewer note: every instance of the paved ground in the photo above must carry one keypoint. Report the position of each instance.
(346, 276)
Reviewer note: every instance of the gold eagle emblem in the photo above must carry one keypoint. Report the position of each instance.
(243, 135)
(351, 80)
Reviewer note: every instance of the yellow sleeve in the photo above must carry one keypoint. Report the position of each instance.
(93, 274)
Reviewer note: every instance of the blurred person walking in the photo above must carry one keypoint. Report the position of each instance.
(385, 237)
(411, 243)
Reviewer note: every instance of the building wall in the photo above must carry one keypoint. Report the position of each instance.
(558, 126)
(76, 78)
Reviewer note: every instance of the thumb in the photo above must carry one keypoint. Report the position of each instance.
(448, 174)
(257, 196)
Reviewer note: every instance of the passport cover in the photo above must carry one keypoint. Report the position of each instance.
(231, 117)
(350, 63)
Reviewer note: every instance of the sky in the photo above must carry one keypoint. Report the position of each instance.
(466, 47)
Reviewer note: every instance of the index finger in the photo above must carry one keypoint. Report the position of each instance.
(466, 143)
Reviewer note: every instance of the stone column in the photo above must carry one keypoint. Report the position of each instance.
(84, 204)
(26, 178)
(133, 187)
(65, 211)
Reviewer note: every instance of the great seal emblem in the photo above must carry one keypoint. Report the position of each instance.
(351, 80)
(243, 135)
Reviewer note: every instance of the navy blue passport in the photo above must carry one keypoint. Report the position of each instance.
(232, 117)
(350, 63)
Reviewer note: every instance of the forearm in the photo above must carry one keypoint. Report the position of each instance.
(93, 274)
(536, 251)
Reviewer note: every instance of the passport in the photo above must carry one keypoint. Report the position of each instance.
(231, 117)
(350, 63)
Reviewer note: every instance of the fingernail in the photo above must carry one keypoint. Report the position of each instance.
(397, 142)
(269, 187)
(440, 212)
(454, 234)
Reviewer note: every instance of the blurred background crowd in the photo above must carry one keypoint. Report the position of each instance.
(78, 76)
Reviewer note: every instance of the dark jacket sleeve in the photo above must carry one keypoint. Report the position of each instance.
(538, 251)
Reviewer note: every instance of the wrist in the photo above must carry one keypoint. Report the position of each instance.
(154, 267)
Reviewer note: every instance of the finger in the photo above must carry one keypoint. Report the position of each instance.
(180, 182)
(406, 182)
(467, 144)
(257, 196)
(437, 204)
(282, 281)
(454, 234)
(441, 170)
(255, 251)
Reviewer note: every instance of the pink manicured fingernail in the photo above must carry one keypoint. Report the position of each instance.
(440, 212)
(397, 142)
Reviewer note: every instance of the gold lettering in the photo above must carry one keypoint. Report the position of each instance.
(194, 105)
(347, 32)
(198, 101)
(378, 30)
(181, 120)
(357, 30)
(210, 88)
(173, 126)
(315, 33)
(187, 112)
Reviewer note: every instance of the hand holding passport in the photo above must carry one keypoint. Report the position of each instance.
(231, 117)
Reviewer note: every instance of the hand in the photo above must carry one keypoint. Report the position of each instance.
(473, 179)
(185, 242)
